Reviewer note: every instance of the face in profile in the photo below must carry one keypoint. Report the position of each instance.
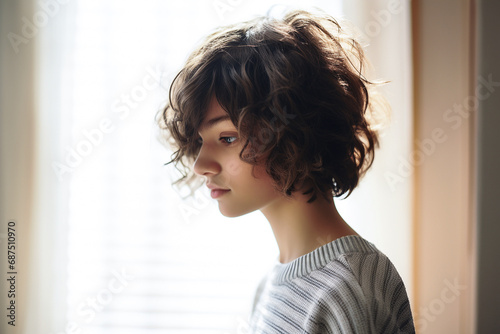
(238, 186)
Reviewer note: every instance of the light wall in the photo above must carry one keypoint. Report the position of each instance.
(444, 223)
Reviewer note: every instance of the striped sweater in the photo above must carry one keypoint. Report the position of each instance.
(345, 286)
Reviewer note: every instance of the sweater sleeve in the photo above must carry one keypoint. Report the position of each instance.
(369, 297)
(258, 293)
(343, 309)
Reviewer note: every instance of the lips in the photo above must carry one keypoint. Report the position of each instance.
(216, 191)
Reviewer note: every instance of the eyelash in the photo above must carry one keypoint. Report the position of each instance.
(222, 139)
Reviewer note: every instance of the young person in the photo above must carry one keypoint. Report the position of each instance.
(273, 114)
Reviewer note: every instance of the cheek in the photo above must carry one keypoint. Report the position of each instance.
(234, 172)
(235, 167)
(247, 177)
(259, 185)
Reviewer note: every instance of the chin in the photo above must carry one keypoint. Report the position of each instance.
(232, 212)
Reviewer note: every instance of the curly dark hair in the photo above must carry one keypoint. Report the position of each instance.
(295, 90)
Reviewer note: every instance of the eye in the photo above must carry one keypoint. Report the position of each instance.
(228, 140)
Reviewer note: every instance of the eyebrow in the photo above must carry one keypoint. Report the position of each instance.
(213, 121)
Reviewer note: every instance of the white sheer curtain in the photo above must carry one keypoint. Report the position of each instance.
(112, 247)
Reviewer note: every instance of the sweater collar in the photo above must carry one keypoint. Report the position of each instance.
(318, 258)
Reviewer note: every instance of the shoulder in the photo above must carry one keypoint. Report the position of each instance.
(342, 306)
(363, 294)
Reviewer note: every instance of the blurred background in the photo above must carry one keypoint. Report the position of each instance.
(105, 244)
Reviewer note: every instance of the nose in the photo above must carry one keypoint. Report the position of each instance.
(205, 163)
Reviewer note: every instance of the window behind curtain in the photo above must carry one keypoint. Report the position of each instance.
(141, 259)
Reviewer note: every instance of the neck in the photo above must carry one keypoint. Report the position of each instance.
(300, 227)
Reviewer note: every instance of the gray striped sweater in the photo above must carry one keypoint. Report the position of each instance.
(345, 286)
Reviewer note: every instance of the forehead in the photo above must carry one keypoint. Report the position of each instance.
(214, 109)
(214, 114)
